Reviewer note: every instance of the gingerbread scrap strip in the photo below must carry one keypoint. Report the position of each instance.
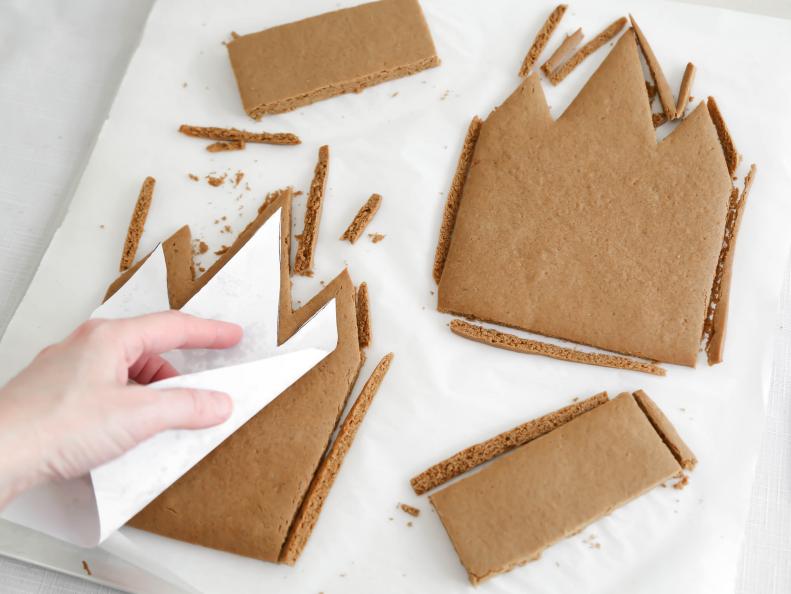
(226, 145)
(568, 45)
(363, 316)
(137, 223)
(662, 87)
(514, 343)
(541, 39)
(308, 514)
(362, 219)
(664, 428)
(586, 50)
(233, 134)
(482, 452)
(306, 241)
(454, 196)
(509, 512)
(732, 156)
(720, 293)
(684, 89)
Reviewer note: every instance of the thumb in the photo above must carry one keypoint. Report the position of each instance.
(180, 408)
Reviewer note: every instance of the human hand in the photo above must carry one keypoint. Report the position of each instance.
(73, 408)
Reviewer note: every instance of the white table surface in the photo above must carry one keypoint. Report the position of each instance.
(60, 66)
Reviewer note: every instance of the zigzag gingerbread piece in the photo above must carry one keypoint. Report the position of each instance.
(586, 228)
(244, 496)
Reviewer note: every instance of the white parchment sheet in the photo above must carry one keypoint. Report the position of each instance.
(401, 139)
(87, 510)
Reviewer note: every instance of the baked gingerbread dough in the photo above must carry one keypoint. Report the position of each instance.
(586, 228)
(299, 63)
(243, 497)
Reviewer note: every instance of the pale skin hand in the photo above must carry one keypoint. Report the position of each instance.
(73, 408)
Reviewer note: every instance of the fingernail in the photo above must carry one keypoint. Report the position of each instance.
(222, 405)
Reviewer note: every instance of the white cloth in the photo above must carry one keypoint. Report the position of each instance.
(60, 65)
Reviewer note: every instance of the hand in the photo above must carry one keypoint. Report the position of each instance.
(73, 408)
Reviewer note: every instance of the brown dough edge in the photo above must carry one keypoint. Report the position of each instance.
(721, 289)
(356, 85)
(482, 452)
(454, 196)
(684, 89)
(182, 286)
(233, 134)
(363, 316)
(664, 428)
(306, 241)
(527, 346)
(362, 219)
(586, 50)
(732, 156)
(566, 47)
(323, 479)
(542, 38)
(137, 223)
(662, 86)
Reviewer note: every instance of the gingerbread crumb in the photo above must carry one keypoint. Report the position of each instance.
(215, 180)
(193, 177)
(658, 118)
(376, 237)
(682, 482)
(203, 247)
(238, 178)
(412, 511)
(225, 145)
(222, 250)
(86, 568)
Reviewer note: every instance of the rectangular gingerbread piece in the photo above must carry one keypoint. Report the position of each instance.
(285, 67)
(552, 487)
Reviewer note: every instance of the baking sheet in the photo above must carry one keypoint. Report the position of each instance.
(442, 393)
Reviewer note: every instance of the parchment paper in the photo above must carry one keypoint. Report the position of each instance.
(402, 139)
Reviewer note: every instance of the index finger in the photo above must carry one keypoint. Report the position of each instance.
(157, 333)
